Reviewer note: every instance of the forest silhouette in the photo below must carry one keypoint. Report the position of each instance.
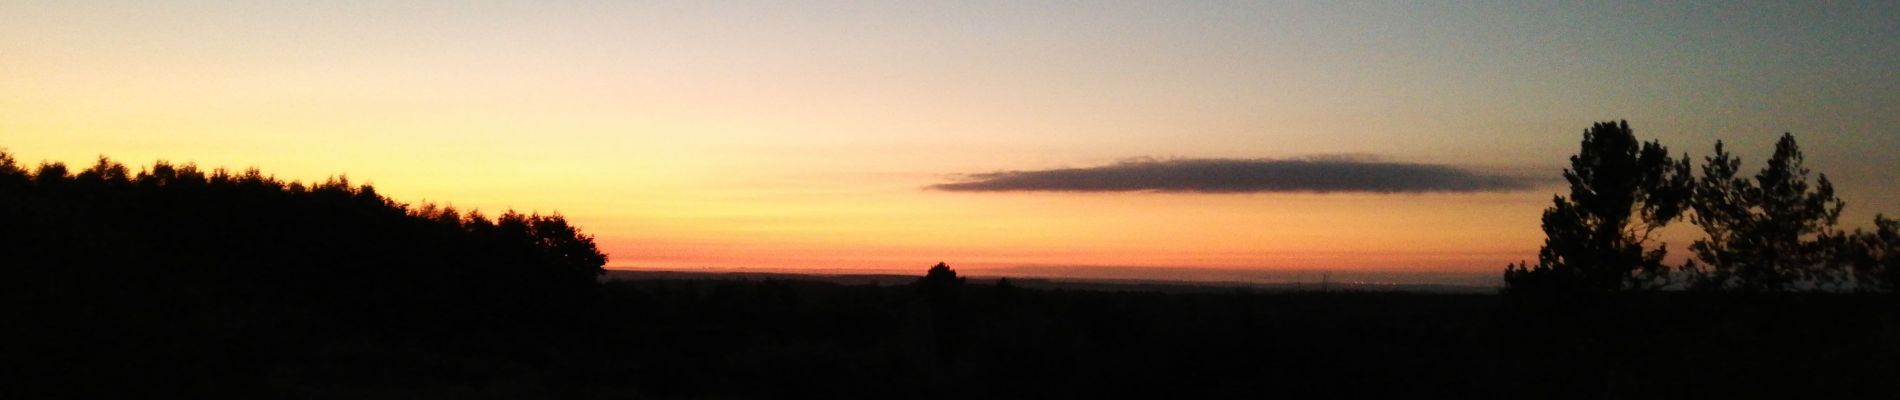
(1776, 232)
(200, 272)
(174, 281)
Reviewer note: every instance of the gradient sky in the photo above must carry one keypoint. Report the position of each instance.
(804, 135)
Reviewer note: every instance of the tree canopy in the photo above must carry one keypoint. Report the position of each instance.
(111, 237)
(1772, 232)
(1765, 234)
(1598, 237)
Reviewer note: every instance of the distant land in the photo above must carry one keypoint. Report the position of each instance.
(844, 277)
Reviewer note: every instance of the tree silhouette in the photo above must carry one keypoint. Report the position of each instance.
(215, 262)
(13, 180)
(1876, 256)
(940, 282)
(1597, 239)
(1772, 233)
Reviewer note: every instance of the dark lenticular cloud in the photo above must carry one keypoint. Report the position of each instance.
(1308, 175)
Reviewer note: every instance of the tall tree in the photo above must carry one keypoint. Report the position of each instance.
(1771, 233)
(1598, 238)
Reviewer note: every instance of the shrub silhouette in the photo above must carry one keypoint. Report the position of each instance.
(1597, 238)
(1772, 233)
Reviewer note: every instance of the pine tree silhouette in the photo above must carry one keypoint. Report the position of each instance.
(1597, 239)
(1772, 233)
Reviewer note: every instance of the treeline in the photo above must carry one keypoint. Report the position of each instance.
(216, 275)
(1774, 231)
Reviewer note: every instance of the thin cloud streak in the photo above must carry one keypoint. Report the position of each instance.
(1331, 174)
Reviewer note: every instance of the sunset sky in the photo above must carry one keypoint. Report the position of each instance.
(1415, 138)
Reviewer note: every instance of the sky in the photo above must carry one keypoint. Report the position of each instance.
(1069, 138)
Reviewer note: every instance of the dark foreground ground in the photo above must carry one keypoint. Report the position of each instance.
(776, 338)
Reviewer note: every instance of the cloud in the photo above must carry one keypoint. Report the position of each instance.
(1323, 174)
